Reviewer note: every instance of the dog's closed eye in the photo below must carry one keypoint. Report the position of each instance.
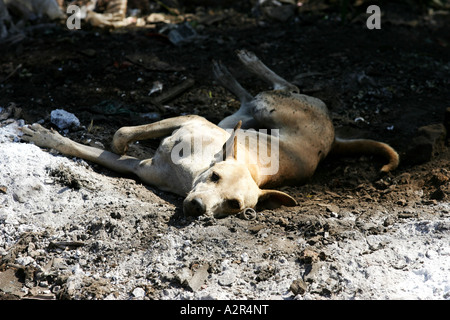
(215, 177)
(233, 204)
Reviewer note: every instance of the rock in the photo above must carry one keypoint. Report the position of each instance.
(227, 278)
(24, 261)
(308, 256)
(274, 11)
(9, 283)
(265, 272)
(298, 287)
(429, 143)
(63, 119)
(333, 210)
(388, 221)
(139, 293)
(436, 133)
(438, 177)
(19, 196)
(193, 280)
(420, 151)
(183, 33)
(199, 277)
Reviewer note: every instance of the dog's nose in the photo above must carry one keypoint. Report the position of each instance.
(194, 207)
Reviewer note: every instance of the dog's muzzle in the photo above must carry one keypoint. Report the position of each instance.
(194, 207)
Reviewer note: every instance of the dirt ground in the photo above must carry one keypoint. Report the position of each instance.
(389, 84)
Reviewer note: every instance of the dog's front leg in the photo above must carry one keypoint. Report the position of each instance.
(45, 138)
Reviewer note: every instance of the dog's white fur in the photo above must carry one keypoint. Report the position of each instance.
(224, 181)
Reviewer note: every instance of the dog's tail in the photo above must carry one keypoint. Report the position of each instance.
(367, 147)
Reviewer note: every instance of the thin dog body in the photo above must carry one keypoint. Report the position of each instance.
(216, 172)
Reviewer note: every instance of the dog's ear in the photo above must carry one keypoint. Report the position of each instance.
(271, 199)
(229, 149)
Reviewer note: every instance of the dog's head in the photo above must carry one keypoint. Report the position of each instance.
(227, 188)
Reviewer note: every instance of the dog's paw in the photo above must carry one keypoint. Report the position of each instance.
(247, 57)
(218, 69)
(41, 136)
(221, 72)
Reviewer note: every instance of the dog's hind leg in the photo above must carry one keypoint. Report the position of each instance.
(253, 64)
(244, 114)
(226, 80)
(126, 135)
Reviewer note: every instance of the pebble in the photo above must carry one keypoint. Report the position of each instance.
(227, 278)
(298, 287)
(24, 261)
(63, 119)
(138, 293)
(333, 210)
(431, 254)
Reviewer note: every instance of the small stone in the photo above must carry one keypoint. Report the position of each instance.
(283, 222)
(9, 283)
(388, 221)
(139, 293)
(19, 196)
(438, 178)
(429, 142)
(298, 287)
(333, 210)
(199, 278)
(279, 13)
(309, 256)
(227, 278)
(436, 133)
(256, 229)
(63, 119)
(24, 261)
